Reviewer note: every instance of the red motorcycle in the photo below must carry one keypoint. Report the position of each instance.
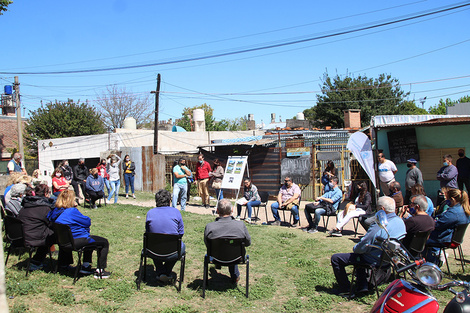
(414, 294)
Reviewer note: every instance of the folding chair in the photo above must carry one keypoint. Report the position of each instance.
(418, 243)
(225, 252)
(291, 218)
(66, 242)
(14, 235)
(87, 200)
(264, 195)
(161, 246)
(325, 225)
(455, 243)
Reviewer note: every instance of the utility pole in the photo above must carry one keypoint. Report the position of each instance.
(157, 102)
(16, 88)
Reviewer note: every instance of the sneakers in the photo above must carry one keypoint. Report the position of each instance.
(86, 270)
(133, 196)
(237, 218)
(104, 274)
(296, 223)
(335, 233)
(127, 196)
(35, 267)
(276, 223)
(312, 231)
(248, 220)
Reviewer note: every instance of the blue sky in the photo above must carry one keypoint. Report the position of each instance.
(428, 55)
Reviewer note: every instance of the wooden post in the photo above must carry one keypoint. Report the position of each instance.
(157, 103)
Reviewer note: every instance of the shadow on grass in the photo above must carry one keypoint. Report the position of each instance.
(215, 282)
(150, 279)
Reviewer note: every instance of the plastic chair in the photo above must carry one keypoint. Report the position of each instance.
(225, 252)
(66, 242)
(161, 246)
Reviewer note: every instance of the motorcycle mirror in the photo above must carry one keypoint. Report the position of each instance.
(381, 219)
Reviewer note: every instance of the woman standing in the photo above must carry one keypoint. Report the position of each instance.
(250, 198)
(114, 179)
(129, 171)
(217, 174)
(329, 172)
(103, 173)
(59, 183)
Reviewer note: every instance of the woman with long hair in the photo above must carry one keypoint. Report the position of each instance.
(129, 172)
(114, 179)
(59, 183)
(103, 172)
(217, 174)
(250, 198)
(329, 172)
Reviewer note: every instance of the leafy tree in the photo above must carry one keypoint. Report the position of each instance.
(441, 107)
(187, 116)
(115, 104)
(4, 5)
(378, 96)
(62, 119)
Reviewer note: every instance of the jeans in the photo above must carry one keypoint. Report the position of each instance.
(339, 261)
(180, 190)
(115, 184)
(106, 182)
(318, 211)
(129, 180)
(248, 207)
(219, 192)
(275, 208)
(165, 265)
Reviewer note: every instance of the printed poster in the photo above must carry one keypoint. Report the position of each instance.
(234, 171)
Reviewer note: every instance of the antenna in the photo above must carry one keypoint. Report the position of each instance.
(422, 100)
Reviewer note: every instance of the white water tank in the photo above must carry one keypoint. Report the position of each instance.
(130, 123)
(199, 120)
(300, 116)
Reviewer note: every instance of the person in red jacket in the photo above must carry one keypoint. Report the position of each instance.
(103, 173)
(203, 169)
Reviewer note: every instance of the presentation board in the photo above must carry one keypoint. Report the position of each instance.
(403, 145)
(234, 172)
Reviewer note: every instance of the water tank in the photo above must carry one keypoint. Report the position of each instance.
(251, 117)
(8, 90)
(300, 116)
(198, 115)
(130, 123)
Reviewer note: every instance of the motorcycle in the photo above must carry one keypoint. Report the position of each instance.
(414, 294)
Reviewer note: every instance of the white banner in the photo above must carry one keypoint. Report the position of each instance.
(234, 172)
(359, 145)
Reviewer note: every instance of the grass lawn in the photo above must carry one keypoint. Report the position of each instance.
(289, 272)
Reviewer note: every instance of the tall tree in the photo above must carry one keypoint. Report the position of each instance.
(441, 107)
(373, 96)
(62, 119)
(115, 104)
(4, 5)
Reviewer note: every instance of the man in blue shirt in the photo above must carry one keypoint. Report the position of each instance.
(180, 187)
(362, 253)
(165, 219)
(326, 204)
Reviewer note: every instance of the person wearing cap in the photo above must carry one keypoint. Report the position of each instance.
(413, 177)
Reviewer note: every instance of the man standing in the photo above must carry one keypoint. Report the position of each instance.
(362, 253)
(287, 198)
(326, 204)
(225, 226)
(420, 221)
(203, 169)
(463, 167)
(80, 174)
(180, 186)
(15, 165)
(165, 220)
(413, 177)
(387, 170)
(447, 175)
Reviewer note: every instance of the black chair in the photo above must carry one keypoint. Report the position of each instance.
(66, 242)
(161, 246)
(225, 252)
(418, 243)
(264, 195)
(87, 200)
(456, 243)
(14, 235)
(327, 216)
(291, 218)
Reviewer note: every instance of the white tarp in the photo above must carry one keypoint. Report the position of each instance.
(359, 145)
(385, 120)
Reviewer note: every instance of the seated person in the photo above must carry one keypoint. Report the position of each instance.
(445, 204)
(15, 178)
(250, 198)
(94, 187)
(419, 221)
(325, 204)
(59, 183)
(37, 228)
(37, 179)
(165, 219)
(457, 213)
(225, 226)
(419, 190)
(14, 206)
(361, 206)
(362, 254)
(287, 198)
(65, 213)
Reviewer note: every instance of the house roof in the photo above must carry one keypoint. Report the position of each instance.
(253, 142)
(386, 121)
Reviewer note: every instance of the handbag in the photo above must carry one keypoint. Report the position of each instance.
(217, 185)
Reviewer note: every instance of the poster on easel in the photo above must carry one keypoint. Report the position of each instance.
(234, 172)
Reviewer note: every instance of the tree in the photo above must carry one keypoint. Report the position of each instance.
(187, 116)
(115, 104)
(62, 119)
(4, 5)
(379, 96)
(441, 107)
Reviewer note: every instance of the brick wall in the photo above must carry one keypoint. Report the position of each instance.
(352, 119)
(8, 134)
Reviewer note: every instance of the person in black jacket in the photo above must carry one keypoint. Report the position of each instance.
(68, 172)
(360, 206)
(80, 174)
(37, 228)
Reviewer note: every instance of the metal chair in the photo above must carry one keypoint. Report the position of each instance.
(418, 243)
(264, 203)
(66, 242)
(161, 246)
(225, 252)
(291, 218)
(87, 200)
(327, 216)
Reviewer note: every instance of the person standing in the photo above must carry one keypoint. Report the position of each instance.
(102, 171)
(180, 186)
(114, 178)
(94, 187)
(463, 167)
(329, 172)
(15, 165)
(165, 220)
(80, 173)
(129, 172)
(387, 171)
(217, 175)
(203, 169)
(67, 170)
(225, 226)
(447, 175)
(413, 177)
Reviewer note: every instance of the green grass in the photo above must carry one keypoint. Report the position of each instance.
(289, 272)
